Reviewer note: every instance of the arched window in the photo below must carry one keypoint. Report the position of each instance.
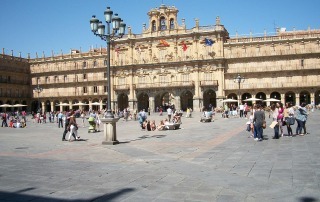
(153, 26)
(163, 25)
(171, 23)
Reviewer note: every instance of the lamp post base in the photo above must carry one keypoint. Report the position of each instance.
(110, 132)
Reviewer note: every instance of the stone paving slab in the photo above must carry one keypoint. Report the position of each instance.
(199, 162)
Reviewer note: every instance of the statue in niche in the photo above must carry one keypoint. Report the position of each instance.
(155, 59)
(169, 57)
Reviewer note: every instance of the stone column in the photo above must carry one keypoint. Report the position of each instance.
(70, 105)
(298, 99)
(52, 106)
(151, 104)
(312, 98)
(110, 131)
(177, 102)
(283, 98)
(43, 107)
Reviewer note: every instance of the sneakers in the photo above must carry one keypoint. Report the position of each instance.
(256, 139)
(260, 139)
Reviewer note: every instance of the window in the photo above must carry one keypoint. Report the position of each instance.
(105, 62)
(9, 79)
(84, 76)
(153, 26)
(56, 79)
(105, 89)
(171, 23)
(65, 78)
(105, 74)
(84, 64)
(94, 63)
(302, 62)
(95, 89)
(38, 80)
(47, 79)
(163, 23)
(84, 89)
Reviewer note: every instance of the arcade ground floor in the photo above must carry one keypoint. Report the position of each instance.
(156, 99)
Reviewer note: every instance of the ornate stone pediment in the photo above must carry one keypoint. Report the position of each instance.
(122, 73)
(163, 72)
(141, 72)
(210, 68)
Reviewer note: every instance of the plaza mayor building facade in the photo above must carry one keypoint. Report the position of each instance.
(168, 64)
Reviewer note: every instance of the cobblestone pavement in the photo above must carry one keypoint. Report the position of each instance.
(200, 162)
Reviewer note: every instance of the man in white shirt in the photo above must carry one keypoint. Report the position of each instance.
(169, 111)
(241, 109)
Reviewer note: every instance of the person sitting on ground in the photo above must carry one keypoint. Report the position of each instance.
(144, 124)
(176, 117)
(148, 126)
(153, 125)
(161, 126)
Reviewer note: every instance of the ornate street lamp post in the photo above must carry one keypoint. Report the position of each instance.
(238, 79)
(38, 90)
(118, 30)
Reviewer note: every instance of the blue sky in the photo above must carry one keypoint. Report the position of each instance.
(30, 26)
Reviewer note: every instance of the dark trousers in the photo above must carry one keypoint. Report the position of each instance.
(258, 131)
(241, 113)
(66, 131)
(60, 123)
(4, 122)
(276, 131)
(289, 129)
(300, 126)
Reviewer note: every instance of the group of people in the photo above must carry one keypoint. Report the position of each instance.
(14, 119)
(281, 116)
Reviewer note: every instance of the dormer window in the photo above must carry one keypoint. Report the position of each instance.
(163, 23)
(171, 23)
(153, 25)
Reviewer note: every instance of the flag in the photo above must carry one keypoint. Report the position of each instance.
(164, 43)
(184, 46)
(208, 42)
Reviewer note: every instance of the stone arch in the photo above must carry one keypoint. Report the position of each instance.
(317, 97)
(123, 101)
(275, 95)
(209, 99)
(86, 106)
(186, 100)
(47, 106)
(143, 101)
(232, 96)
(290, 97)
(304, 97)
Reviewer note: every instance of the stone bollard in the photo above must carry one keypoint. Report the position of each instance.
(110, 131)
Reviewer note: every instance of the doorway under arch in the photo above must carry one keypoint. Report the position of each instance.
(143, 101)
(186, 100)
(209, 99)
(122, 101)
(290, 97)
(304, 97)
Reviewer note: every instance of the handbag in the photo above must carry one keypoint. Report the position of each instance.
(264, 125)
(290, 120)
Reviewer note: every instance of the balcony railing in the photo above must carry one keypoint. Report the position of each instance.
(209, 83)
(235, 86)
(273, 68)
(173, 84)
(121, 87)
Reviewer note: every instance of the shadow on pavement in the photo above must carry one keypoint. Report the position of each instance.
(18, 196)
(142, 138)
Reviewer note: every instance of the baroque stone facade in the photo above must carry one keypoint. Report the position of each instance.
(170, 64)
(15, 85)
